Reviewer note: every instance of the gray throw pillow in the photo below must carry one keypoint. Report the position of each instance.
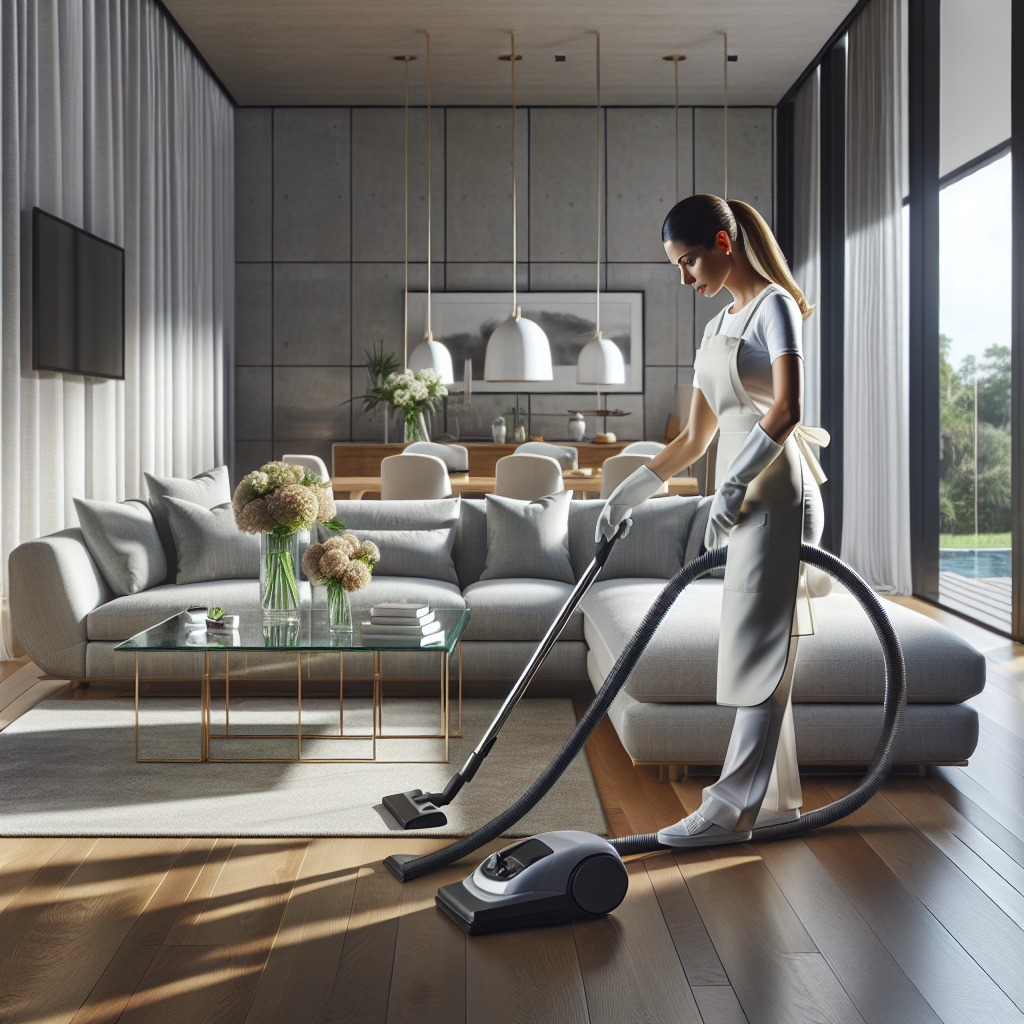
(528, 538)
(653, 547)
(207, 489)
(423, 553)
(124, 543)
(209, 544)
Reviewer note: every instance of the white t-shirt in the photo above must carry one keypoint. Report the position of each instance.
(774, 330)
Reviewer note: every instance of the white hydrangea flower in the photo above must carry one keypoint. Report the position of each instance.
(258, 482)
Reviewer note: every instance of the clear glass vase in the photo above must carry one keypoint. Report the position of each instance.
(279, 577)
(339, 608)
(416, 428)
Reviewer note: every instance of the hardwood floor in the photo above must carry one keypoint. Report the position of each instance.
(909, 912)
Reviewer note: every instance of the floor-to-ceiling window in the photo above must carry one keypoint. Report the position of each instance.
(974, 394)
(975, 508)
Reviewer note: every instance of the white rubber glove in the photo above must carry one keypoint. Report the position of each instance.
(759, 451)
(637, 487)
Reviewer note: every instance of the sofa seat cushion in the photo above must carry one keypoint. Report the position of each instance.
(825, 733)
(518, 609)
(840, 663)
(125, 616)
(435, 593)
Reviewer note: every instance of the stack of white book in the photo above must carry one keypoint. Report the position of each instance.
(404, 625)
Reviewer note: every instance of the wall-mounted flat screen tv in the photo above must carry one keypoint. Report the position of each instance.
(77, 300)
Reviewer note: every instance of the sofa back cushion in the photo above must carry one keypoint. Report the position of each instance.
(209, 545)
(124, 543)
(424, 534)
(426, 554)
(207, 489)
(654, 547)
(528, 539)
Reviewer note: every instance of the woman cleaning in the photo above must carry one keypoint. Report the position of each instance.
(749, 387)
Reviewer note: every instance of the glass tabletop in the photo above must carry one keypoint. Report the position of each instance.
(311, 632)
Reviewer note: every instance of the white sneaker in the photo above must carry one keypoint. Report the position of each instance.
(695, 830)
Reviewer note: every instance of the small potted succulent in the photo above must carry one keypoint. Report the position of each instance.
(341, 565)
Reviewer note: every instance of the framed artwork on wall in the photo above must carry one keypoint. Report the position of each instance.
(464, 321)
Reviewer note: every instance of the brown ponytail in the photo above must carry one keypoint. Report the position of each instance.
(697, 220)
(763, 252)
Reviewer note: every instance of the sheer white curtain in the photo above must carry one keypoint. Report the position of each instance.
(876, 482)
(807, 233)
(109, 121)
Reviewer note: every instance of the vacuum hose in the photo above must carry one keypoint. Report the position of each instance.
(406, 867)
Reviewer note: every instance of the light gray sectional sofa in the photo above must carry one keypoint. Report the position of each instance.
(68, 619)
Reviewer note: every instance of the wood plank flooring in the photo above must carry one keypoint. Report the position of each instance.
(911, 911)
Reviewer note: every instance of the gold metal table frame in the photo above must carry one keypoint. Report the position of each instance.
(377, 717)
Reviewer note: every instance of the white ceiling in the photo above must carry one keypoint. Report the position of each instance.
(338, 52)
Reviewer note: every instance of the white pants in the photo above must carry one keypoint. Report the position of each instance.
(760, 769)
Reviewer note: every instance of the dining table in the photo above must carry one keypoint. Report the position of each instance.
(582, 486)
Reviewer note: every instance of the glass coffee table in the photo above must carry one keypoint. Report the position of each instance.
(310, 634)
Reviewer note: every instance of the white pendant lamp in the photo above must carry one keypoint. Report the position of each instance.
(600, 362)
(428, 354)
(518, 349)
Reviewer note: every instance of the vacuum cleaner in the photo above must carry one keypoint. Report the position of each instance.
(557, 876)
(416, 809)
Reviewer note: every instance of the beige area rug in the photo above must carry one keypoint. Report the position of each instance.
(67, 768)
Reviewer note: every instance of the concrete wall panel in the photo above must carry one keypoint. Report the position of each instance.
(311, 402)
(479, 203)
(563, 185)
(378, 184)
(312, 324)
(312, 195)
(253, 404)
(642, 178)
(253, 183)
(253, 314)
(750, 155)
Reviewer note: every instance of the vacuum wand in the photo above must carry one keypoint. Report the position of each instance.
(416, 809)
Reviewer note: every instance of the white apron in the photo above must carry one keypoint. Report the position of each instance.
(759, 601)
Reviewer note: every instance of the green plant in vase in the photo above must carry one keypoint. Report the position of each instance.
(341, 565)
(279, 501)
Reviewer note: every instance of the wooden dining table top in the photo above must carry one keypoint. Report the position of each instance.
(463, 483)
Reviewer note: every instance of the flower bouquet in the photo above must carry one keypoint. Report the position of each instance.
(342, 565)
(415, 394)
(278, 501)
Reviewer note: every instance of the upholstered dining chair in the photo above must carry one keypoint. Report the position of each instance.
(454, 456)
(565, 455)
(311, 462)
(618, 467)
(413, 477)
(642, 448)
(527, 477)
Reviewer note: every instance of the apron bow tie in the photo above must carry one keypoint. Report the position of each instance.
(806, 436)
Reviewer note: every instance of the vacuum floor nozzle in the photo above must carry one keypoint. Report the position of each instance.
(413, 810)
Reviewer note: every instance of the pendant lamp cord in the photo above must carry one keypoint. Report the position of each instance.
(405, 333)
(430, 196)
(515, 249)
(675, 62)
(725, 81)
(598, 314)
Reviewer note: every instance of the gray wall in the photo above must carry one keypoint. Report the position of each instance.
(319, 243)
